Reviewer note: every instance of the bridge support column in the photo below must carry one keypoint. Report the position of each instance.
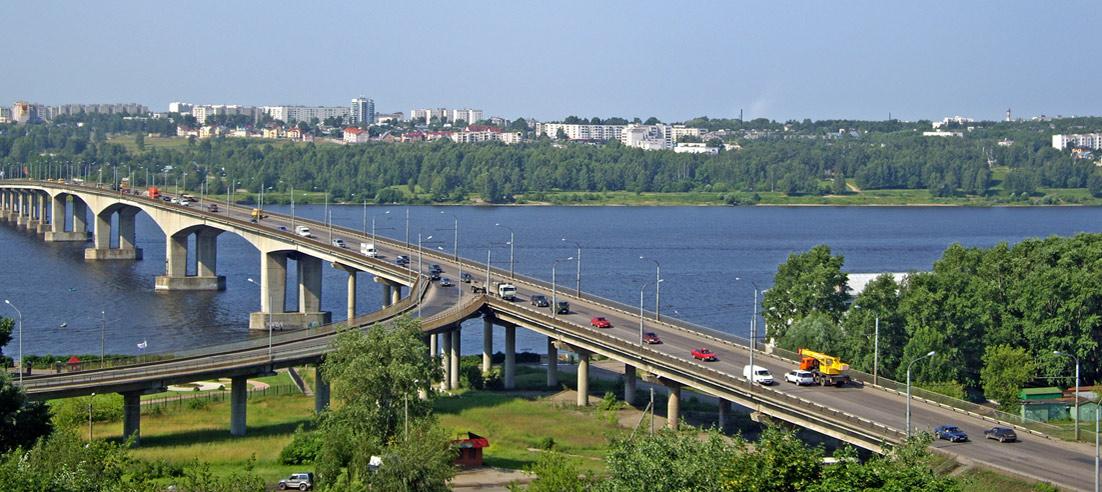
(583, 376)
(43, 206)
(395, 293)
(132, 416)
(629, 384)
(239, 399)
(33, 217)
(487, 343)
(724, 413)
(57, 233)
(386, 295)
(509, 372)
(673, 404)
(434, 345)
(273, 291)
(321, 392)
(102, 249)
(24, 214)
(351, 302)
(445, 356)
(456, 353)
(552, 363)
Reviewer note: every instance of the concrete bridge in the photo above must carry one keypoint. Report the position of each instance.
(867, 415)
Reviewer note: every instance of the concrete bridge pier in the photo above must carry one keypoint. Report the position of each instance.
(583, 376)
(79, 230)
(23, 209)
(724, 413)
(101, 237)
(673, 404)
(46, 206)
(273, 290)
(456, 353)
(487, 343)
(321, 392)
(629, 384)
(552, 363)
(392, 291)
(38, 223)
(309, 292)
(509, 372)
(239, 399)
(351, 303)
(206, 257)
(132, 416)
(445, 356)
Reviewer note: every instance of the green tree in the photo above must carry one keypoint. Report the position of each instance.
(810, 282)
(879, 300)
(6, 325)
(22, 422)
(555, 472)
(139, 140)
(1005, 370)
(667, 461)
(838, 186)
(816, 332)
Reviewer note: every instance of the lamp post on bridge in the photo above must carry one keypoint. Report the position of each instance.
(641, 289)
(22, 363)
(578, 279)
(554, 291)
(270, 307)
(931, 354)
(657, 286)
(455, 251)
(1073, 356)
(420, 268)
(510, 250)
(875, 349)
(102, 336)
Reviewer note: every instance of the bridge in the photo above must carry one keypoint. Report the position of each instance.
(866, 415)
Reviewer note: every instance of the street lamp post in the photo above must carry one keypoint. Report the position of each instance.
(102, 336)
(510, 249)
(270, 307)
(22, 365)
(657, 287)
(578, 279)
(373, 243)
(90, 400)
(554, 291)
(1073, 356)
(875, 349)
(420, 268)
(931, 354)
(641, 307)
(455, 250)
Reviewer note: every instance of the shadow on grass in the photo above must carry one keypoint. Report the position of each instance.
(508, 463)
(216, 436)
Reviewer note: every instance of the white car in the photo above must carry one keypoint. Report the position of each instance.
(799, 377)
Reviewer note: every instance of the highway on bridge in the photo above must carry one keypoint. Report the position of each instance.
(856, 410)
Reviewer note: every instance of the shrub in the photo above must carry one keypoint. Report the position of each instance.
(304, 448)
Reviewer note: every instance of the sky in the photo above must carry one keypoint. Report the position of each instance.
(674, 60)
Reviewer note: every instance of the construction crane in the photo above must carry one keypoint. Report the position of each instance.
(827, 369)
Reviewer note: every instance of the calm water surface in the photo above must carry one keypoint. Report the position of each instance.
(701, 251)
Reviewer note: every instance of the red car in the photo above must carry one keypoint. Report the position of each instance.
(650, 337)
(703, 354)
(600, 322)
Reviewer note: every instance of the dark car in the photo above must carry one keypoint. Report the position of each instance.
(562, 307)
(950, 433)
(539, 300)
(651, 337)
(465, 278)
(434, 276)
(1003, 434)
(281, 228)
(435, 268)
(445, 282)
(401, 260)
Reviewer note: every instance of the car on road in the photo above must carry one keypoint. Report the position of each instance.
(445, 282)
(434, 275)
(435, 268)
(301, 481)
(539, 300)
(465, 278)
(703, 354)
(651, 337)
(401, 260)
(281, 228)
(212, 207)
(799, 377)
(185, 203)
(562, 307)
(339, 243)
(600, 322)
(1003, 434)
(950, 433)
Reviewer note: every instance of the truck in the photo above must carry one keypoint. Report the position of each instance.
(258, 214)
(368, 249)
(507, 291)
(758, 374)
(154, 193)
(826, 369)
(303, 231)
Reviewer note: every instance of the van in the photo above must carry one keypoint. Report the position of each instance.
(303, 231)
(761, 375)
(368, 249)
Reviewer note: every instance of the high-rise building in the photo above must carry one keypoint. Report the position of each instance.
(362, 111)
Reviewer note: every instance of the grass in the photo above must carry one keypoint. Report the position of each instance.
(978, 480)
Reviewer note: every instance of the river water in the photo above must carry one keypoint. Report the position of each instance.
(68, 303)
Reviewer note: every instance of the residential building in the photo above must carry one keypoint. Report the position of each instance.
(678, 131)
(22, 113)
(428, 114)
(353, 135)
(695, 148)
(942, 133)
(381, 118)
(362, 111)
(289, 114)
(581, 132)
(179, 107)
(960, 120)
(468, 115)
(1080, 141)
(648, 137)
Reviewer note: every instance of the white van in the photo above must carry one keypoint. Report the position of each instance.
(303, 231)
(761, 375)
(368, 249)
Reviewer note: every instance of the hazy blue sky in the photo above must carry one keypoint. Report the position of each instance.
(671, 59)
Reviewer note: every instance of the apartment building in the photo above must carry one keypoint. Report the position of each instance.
(362, 111)
(1080, 141)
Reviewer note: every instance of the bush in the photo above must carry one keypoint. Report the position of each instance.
(149, 470)
(546, 443)
(304, 448)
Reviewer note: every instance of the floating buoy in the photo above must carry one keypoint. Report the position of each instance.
(63, 325)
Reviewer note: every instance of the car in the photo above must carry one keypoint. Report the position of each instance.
(539, 300)
(301, 481)
(212, 207)
(436, 268)
(600, 322)
(434, 276)
(950, 433)
(445, 282)
(703, 354)
(185, 203)
(401, 260)
(650, 337)
(339, 243)
(799, 377)
(465, 278)
(173, 200)
(281, 228)
(562, 307)
(1003, 434)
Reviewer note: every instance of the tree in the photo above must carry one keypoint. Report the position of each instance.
(804, 284)
(816, 332)
(22, 422)
(139, 140)
(838, 186)
(1005, 370)
(555, 472)
(6, 325)
(668, 462)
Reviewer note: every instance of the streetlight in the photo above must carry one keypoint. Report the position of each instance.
(22, 367)
(554, 292)
(931, 354)
(510, 249)
(488, 249)
(1073, 356)
(657, 288)
(102, 336)
(578, 279)
(876, 348)
(456, 251)
(270, 307)
(420, 266)
(90, 400)
(641, 289)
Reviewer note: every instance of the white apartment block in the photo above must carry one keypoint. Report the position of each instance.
(486, 136)
(362, 111)
(648, 137)
(468, 115)
(581, 132)
(288, 114)
(381, 118)
(201, 111)
(132, 109)
(1082, 141)
(180, 107)
(695, 148)
(679, 131)
(428, 114)
(955, 119)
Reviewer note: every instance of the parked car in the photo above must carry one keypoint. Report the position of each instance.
(600, 322)
(562, 307)
(339, 243)
(539, 300)
(799, 377)
(435, 268)
(950, 433)
(1003, 434)
(650, 337)
(445, 282)
(301, 481)
(703, 354)
(465, 278)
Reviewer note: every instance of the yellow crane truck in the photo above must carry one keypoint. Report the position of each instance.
(827, 370)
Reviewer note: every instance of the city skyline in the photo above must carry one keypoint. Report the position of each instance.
(862, 61)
